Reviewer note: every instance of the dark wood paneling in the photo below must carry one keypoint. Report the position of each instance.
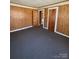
(20, 17)
(52, 16)
(35, 18)
(60, 19)
(46, 17)
(66, 20)
(63, 19)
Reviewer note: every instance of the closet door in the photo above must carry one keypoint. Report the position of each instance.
(35, 21)
(52, 16)
(63, 19)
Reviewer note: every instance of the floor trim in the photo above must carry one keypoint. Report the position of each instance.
(62, 34)
(21, 29)
(45, 27)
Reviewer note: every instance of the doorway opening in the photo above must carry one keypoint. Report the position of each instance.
(41, 18)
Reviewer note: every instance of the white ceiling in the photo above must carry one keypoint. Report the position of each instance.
(35, 3)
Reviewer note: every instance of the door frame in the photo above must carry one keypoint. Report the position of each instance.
(55, 27)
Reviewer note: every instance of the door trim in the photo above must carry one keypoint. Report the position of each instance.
(55, 27)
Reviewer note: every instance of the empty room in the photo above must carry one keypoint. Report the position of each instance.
(39, 29)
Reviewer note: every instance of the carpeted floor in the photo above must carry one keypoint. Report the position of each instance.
(38, 43)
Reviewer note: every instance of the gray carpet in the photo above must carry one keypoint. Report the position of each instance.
(38, 43)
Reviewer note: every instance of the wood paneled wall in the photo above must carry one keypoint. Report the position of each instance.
(63, 19)
(23, 17)
(35, 18)
(20, 17)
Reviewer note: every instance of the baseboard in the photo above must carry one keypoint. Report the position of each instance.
(21, 29)
(62, 34)
(45, 27)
